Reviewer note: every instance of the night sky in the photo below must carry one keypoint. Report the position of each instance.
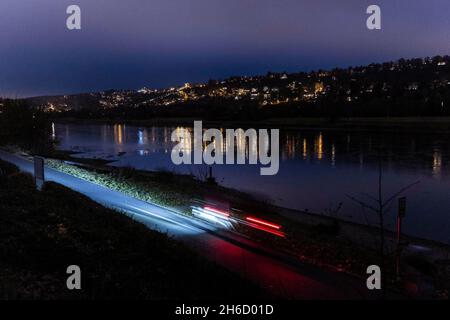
(157, 43)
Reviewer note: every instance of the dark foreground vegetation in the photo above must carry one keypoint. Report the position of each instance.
(24, 126)
(42, 233)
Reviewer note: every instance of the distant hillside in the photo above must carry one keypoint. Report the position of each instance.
(416, 87)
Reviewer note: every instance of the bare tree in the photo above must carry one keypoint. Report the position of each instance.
(200, 172)
(380, 207)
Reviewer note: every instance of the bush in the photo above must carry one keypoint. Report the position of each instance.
(24, 126)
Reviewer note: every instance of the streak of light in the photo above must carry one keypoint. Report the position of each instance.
(265, 223)
(211, 216)
(225, 214)
(269, 230)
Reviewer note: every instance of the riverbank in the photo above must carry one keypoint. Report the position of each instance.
(43, 232)
(391, 124)
(320, 240)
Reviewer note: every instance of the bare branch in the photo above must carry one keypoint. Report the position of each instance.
(400, 192)
(370, 197)
(365, 205)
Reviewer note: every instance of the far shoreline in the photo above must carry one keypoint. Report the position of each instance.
(380, 124)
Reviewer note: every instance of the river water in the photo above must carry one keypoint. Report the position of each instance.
(318, 169)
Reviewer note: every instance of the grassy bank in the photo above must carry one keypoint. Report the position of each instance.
(156, 187)
(42, 233)
(162, 187)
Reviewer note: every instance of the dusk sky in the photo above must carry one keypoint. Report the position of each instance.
(157, 43)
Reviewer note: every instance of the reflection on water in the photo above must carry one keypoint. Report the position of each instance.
(419, 152)
(318, 168)
(423, 153)
(437, 162)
